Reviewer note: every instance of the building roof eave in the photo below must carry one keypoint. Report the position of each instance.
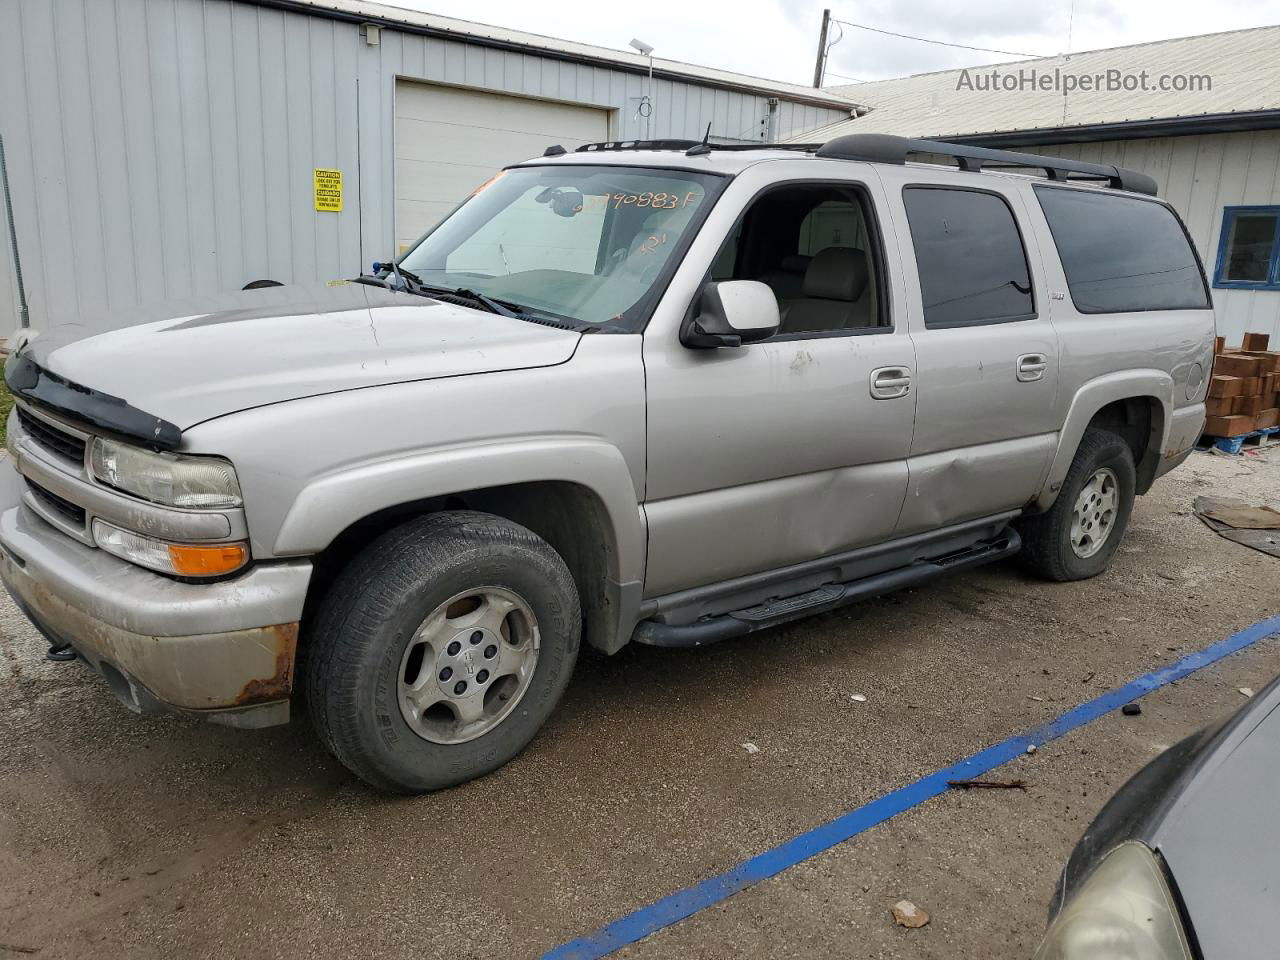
(1124, 130)
(412, 21)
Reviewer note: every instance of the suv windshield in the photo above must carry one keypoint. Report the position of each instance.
(583, 243)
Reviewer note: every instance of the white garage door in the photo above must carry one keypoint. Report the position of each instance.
(449, 141)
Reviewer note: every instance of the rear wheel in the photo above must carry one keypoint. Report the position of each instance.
(441, 649)
(1077, 537)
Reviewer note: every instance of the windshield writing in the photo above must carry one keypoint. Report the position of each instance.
(576, 242)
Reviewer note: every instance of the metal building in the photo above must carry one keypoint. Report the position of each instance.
(1200, 114)
(169, 149)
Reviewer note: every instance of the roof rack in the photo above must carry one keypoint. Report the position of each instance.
(886, 148)
(686, 145)
(637, 145)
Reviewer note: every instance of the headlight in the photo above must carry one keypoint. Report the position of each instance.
(1124, 911)
(180, 559)
(168, 478)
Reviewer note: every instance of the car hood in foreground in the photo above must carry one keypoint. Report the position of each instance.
(1208, 806)
(283, 343)
(1220, 835)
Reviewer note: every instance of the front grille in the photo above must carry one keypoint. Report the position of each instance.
(51, 438)
(64, 509)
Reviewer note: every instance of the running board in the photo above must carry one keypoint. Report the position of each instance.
(772, 613)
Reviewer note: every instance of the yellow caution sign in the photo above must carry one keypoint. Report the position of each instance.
(328, 191)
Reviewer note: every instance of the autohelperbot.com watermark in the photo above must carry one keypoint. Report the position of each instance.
(1058, 80)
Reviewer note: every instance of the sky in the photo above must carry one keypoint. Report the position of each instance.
(779, 39)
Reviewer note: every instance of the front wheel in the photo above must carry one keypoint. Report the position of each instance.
(1077, 537)
(441, 649)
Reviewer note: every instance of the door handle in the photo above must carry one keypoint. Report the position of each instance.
(1031, 367)
(889, 383)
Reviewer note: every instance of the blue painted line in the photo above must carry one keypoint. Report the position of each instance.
(685, 903)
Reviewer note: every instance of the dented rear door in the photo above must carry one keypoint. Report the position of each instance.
(986, 350)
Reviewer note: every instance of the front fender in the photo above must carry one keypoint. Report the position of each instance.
(332, 502)
(1092, 397)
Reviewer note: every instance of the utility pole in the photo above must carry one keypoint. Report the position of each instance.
(24, 315)
(820, 67)
(648, 121)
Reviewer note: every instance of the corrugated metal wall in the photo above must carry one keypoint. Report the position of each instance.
(163, 148)
(1200, 175)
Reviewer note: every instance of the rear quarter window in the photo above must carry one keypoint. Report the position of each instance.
(1122, 254)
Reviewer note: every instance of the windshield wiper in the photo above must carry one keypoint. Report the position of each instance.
(382, 279)
(514, 311)
(503, 308)
(407, 275)
(402, 278)
(410, 282)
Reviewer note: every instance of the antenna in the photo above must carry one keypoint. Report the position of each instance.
(698, 149)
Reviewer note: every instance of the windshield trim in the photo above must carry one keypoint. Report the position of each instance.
(637, 316)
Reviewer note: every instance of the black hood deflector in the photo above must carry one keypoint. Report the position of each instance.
(102, 411)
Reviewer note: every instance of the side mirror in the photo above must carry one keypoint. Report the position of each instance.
(731, 313)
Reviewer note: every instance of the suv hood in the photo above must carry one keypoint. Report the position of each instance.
(283, 343)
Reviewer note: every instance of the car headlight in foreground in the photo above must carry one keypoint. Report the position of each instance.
(174, 480)
(1124, 911)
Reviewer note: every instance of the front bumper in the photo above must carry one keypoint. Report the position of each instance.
(222, 650)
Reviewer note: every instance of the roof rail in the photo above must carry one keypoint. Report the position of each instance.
(637, 145)
(687, 145)
(886, 148)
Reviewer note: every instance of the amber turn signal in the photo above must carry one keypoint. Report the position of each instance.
(189, 561)
(180, 559)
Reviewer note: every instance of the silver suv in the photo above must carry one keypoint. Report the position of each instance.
(662, 392)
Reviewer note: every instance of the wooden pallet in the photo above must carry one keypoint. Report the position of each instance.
(1236, 444)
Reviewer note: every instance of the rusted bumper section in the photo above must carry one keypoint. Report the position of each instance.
(224, 651)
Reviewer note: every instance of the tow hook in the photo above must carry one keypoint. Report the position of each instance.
(60, 653)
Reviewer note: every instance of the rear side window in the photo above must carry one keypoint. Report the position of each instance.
(969, 254)
(1122, 254)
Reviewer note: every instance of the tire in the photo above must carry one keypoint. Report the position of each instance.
(1048, 549)
(409, 607)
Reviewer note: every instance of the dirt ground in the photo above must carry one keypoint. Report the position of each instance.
(169, 838)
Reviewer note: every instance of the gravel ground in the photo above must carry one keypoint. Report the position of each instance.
(164, 837)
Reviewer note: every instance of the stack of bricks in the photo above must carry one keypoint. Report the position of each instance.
(1244, 394)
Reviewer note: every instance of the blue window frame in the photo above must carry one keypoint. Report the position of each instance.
(1249, 249)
